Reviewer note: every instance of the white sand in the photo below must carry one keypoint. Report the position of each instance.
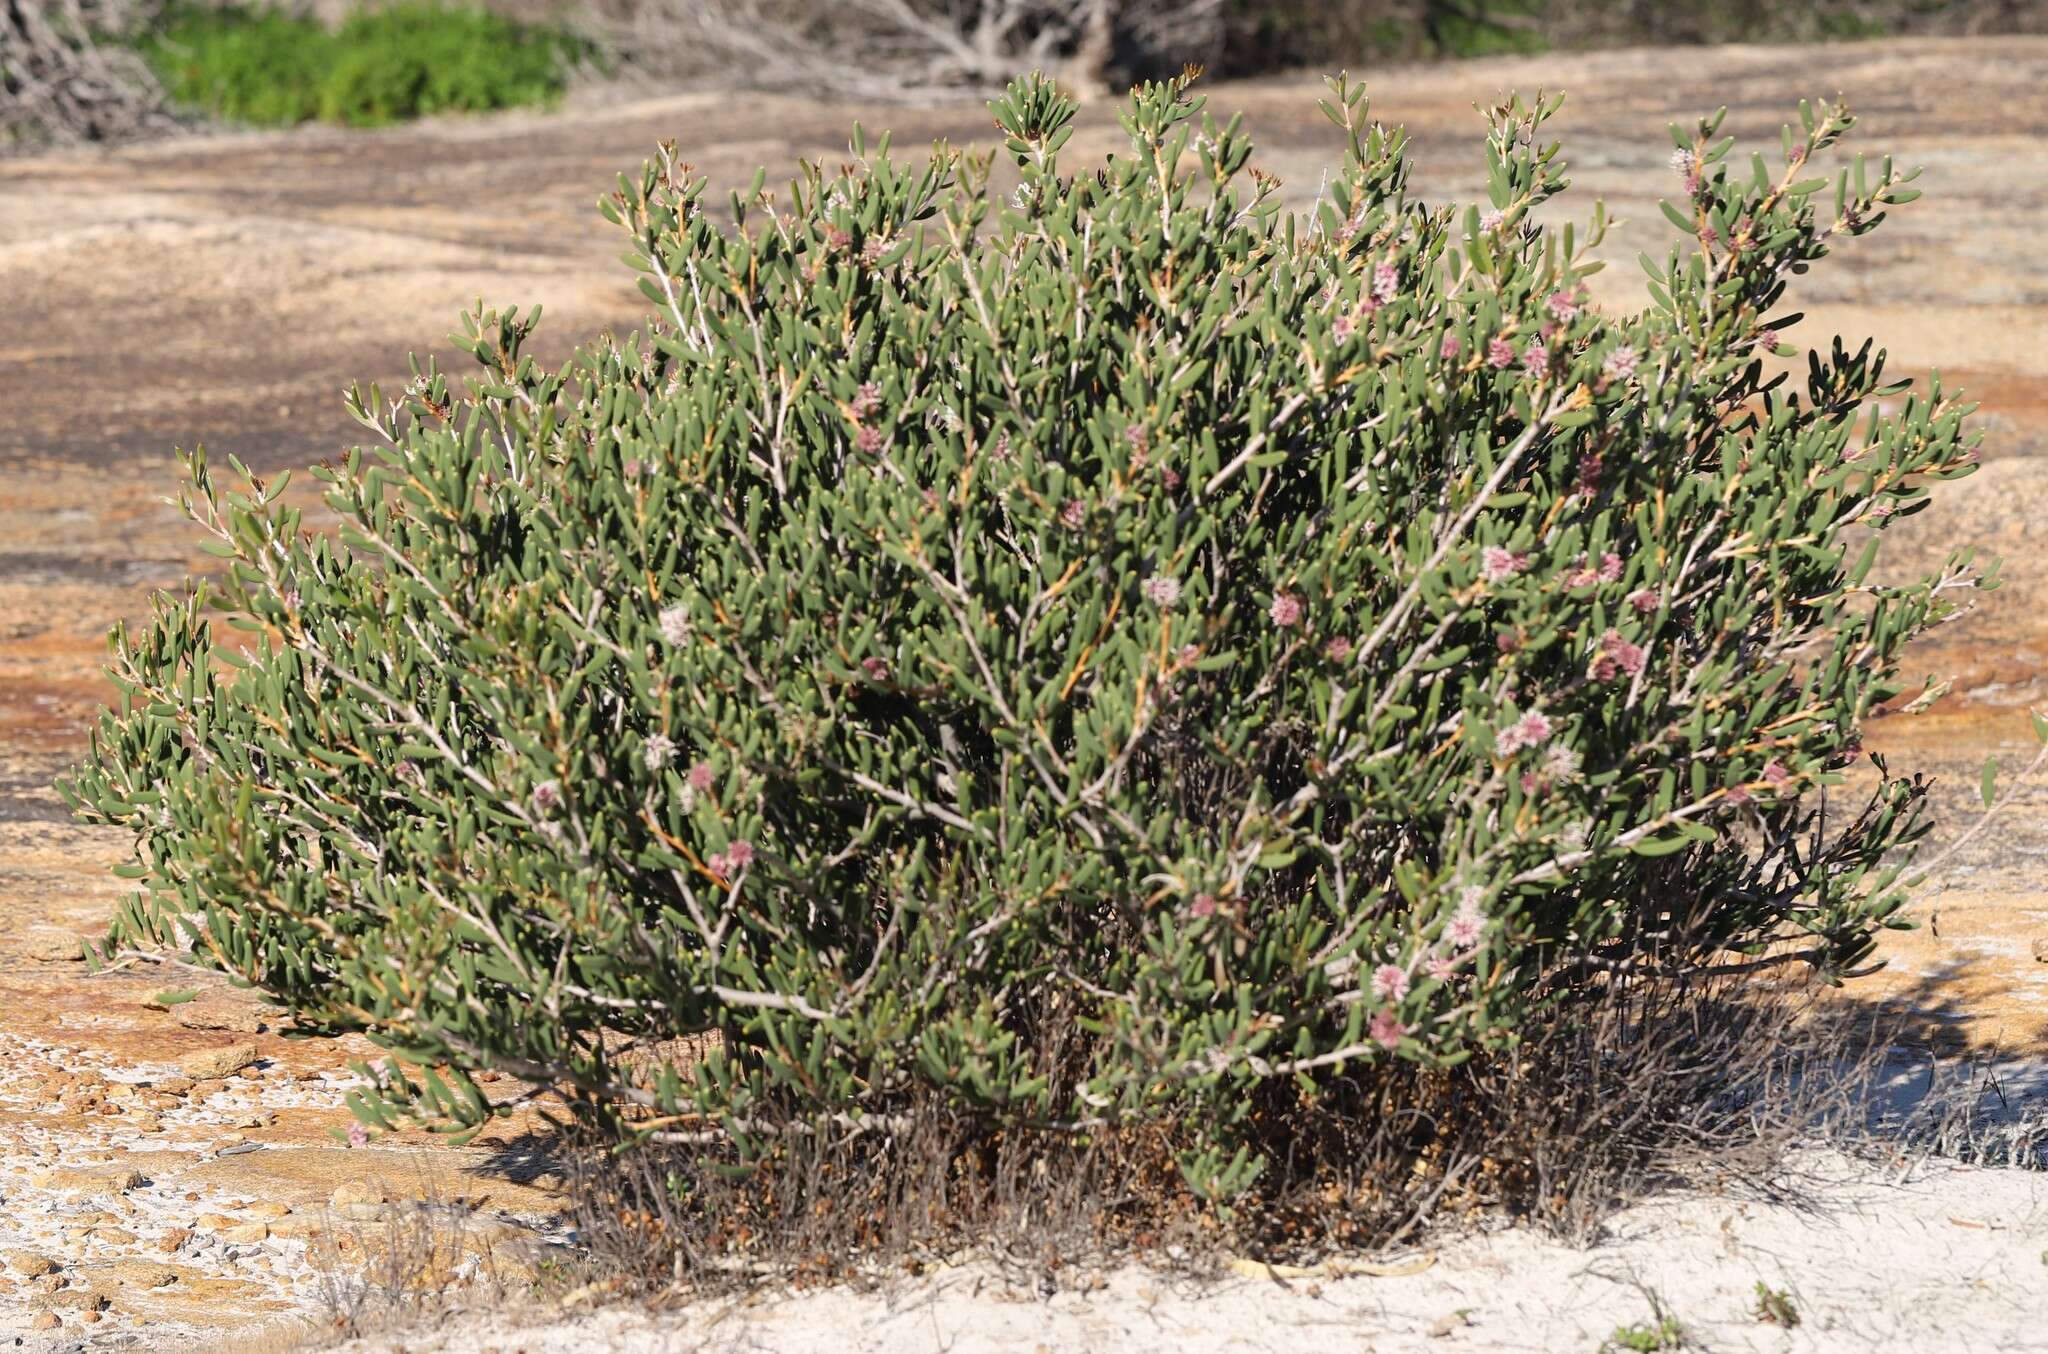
(1928, 1258)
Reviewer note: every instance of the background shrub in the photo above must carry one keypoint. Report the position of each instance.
(269, 67)
(1096, 656)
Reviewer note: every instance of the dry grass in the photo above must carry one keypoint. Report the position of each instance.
(1634, 1090)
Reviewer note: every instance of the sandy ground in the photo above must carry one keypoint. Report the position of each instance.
(1925, 1258)
(224, 289)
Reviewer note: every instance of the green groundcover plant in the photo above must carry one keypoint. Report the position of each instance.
(1097, 653)
(385, 64)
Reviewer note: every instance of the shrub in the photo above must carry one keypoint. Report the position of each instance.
(271, 68)
(1107, 654)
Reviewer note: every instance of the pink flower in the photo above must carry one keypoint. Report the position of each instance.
(1386, 282)
(658, 750)
(1073, 514)
(1537, 360)
(1440, 967)
(866, 400)
(1202, 905)
(1643, 599)
(675, 625)
(1590, 466)
(1767, 339)
(1491, 218)
(836, 239)
(1563, 305)
(1620, 364)
(1450, 347)
(547, 796)
(1390, 982)
(876, 668)
(1466, 926)
(1497, 562)
(700, 778)
(1139, 437)
(1343, 329)
(1687, 166)
(738, 856)
(1776, 776)
(1285, 611)
(1169, 477)
(1610, 567)
(1616, 656)
(1500, 353)
(631, 468)
(1507, 643)
(358, 1136)
(869, 440)
(1338, 649)
(1531, 730)
(1387, 1030)
(1739, 794)
(1162, 590)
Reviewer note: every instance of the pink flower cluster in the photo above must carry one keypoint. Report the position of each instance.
(1643, 599)
(1162, 590)
(1537, 359)
(1531, 730)
(1687, 165)
(1614, 657)
(1285, 611)
(1500, 353)
(1449, 349)
(1564, 305)
(1387, 1030)
(1467, 925)
(1498, 562)
(1390, 982)
(1074, 514)
(1586, 574)
(1386, 283)
(734, 859)
(1338, 649)
(1591, 465)
(1620, 364)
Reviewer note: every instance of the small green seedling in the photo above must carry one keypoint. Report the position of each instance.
(1644, 1338)
(1774, 1306)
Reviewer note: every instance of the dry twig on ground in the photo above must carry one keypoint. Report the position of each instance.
(911, 49)
(61, 82)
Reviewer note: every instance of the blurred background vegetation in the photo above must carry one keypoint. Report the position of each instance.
(73, 70)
